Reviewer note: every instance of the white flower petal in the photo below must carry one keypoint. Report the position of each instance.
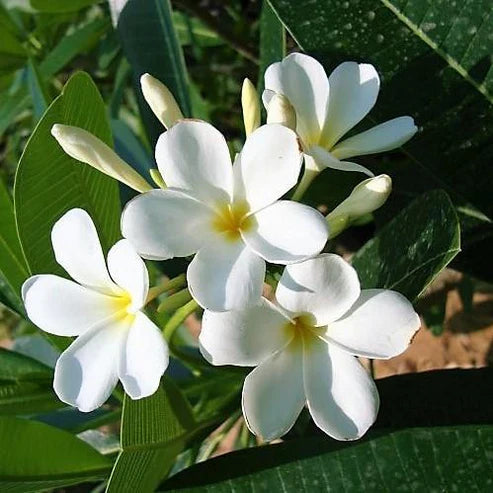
(194, 157)
(244, 337)
(268, 167)
(62, 307)
(303, 80)
(78, 250)
(273, 393)
(324, 159)
(384, 137)
(380, 324)
(287, 232)
(342, 398)
(129, 271)
(87, 372)
(353, 92)
(144, 358)
(163, 224)
(325, 287)
(226, 275)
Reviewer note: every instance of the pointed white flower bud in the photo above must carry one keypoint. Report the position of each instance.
(160, 100)
(83, 146)
(281, 111)
(365, 198)
(251, 107)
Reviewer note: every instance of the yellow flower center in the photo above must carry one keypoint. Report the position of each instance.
(123, 303)
(303, 330)
(231, 219)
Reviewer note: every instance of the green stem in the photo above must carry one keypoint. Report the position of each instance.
(175, 301)
(168, 285)
(305, 182)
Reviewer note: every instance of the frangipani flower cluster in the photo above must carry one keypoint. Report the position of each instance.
(235, 218)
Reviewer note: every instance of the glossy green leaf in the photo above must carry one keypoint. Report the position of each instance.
(35, 456)
(272, 41)
(435, 62)
(410, 251)
(61, 6)
(411, 460)
(49, 183)
(79, 41)
(13, 268)
(18, 367)
(37, 89)
(23, 397)
(153, 432)
(151, 45)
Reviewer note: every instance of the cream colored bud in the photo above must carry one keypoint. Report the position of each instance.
(251, 107)
(365, 198)
(83, 146)
(157, 178)
(160, 100)
(280, 110)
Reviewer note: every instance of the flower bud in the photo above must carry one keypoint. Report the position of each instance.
(83, 146)
(160, 100)
(251, 107)
(281, 111)
(365, 198)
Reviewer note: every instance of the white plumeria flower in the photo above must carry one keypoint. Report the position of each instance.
(115, 340)
(304, 347)
(229, 215)
(327, 108)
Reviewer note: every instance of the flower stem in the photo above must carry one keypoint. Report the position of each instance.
(168, 285)
(305, 182)
(175, 301)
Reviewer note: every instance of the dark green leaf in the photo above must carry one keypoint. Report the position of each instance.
(18, 367)
(13, 268)
(12, 53)
(154, 431)
(433, 459)
(61, 6)
(37, 89)
(79, 41)
(272, 41)
(435, 61)
(49, 183)
(25, 397)
(409, 252)
(150, 44)
(35, 456)
(13, 103)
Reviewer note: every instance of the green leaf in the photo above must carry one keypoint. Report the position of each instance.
(435, 62)
(13, 103)
(37, 89)
(272, 41)
(151, 45)
(18, 398)
(13, 268)
(12, 53)
(35, 456)
(410, 251)
(433, 459)
(153, 432)
(61, 6)
(79, 41)
(49, 183)
(191, 30)
(18, 367)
